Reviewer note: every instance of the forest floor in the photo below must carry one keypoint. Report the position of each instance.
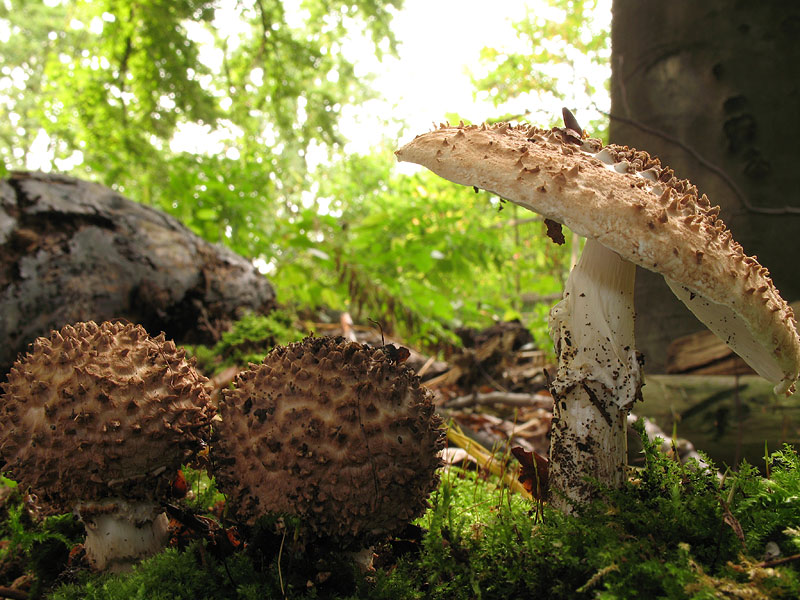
(674, 531)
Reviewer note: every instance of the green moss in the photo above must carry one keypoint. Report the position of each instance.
(674, 531)
(670, 533)
(203, 494)
(171, 575)
(30, 545)
(249, 340)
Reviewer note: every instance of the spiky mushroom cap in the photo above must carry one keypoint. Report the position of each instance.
(101, 411)
(333, 432)
(631, 204)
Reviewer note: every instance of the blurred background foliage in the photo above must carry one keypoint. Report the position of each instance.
(103, 88)
(566, 55)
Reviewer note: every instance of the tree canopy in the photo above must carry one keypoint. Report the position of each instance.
(112, 82)
(107, 88)
(563, 54)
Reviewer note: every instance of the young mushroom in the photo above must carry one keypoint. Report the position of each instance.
(97, 419)
(338, 434)
(632, 211)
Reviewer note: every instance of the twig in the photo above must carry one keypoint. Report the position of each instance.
(778, 561)
(216, 335)
(479, 365)
(536, 421)
(13, 594)
(426, 366)
(446, 378)
(347, 326)
(280, 575)
(500, 398)
(785, 210)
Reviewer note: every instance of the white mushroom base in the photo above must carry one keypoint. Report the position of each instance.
(120, 533)
(598, 377)
(587, 444)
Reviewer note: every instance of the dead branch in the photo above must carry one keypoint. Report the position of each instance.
(778, 561)
(510, 398)
(13, 594)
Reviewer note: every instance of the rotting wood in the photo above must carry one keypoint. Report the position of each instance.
(728, 417)
(74, 251)
(704, 353)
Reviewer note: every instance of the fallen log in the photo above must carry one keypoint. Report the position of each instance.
(729, 417)
(703, 353)
(72, 251)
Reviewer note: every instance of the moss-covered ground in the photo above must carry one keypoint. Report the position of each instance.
(674, 531)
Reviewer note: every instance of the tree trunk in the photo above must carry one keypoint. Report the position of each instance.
(76, 251)
(712, 89)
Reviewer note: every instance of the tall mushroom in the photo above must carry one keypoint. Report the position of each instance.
(633, 211)
(97, 419)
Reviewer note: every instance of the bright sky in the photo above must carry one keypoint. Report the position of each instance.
(440, 41)
(439, 44)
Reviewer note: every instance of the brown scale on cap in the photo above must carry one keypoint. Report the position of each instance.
(101, 411)
(334, 432)
(626, 200)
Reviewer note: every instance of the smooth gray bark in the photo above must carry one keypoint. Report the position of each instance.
(712, 89)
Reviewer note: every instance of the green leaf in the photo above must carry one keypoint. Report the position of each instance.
(205, 214)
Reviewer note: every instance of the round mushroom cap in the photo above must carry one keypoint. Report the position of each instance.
(101, 411)
(626, 200)
(333, 432)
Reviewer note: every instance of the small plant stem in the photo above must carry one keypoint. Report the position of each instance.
(280, 575)
(779, 561)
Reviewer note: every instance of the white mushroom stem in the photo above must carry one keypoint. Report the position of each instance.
(119, 533)
(598, 377)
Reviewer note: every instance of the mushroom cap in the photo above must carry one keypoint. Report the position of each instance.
(333, 432)
(627, 201)
(101, 411)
